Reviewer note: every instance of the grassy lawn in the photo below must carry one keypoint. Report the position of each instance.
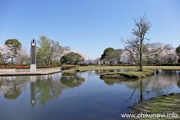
(162, 105)
(162, 67)
(87, 68)
(128, 74)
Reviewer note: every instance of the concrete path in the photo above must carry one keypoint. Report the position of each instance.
(22, 72)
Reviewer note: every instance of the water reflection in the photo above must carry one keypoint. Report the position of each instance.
(33, 90)
(42, 88)
(72, 82)
(52, 96)
(47, 89)
(10, 87)
(161, 83)
(13, 92)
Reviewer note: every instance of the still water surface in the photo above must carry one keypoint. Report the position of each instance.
(81, 97)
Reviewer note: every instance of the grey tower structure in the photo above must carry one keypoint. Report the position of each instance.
(33, 56)
(33, 52)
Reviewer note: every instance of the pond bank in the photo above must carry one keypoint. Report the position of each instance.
(26, 72)
(165, 105)
(87, 68)
(127, 74)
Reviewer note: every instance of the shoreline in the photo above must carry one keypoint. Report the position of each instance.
(168, 103)
(89, 68)
(128, 74)
(45, 71)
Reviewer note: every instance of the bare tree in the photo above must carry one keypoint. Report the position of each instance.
(136, 45)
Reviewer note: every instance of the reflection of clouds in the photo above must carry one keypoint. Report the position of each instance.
(164, 79)
(86, 75)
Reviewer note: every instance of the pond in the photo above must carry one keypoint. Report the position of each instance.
(81, 97)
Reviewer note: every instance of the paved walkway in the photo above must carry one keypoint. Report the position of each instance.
(19, 72)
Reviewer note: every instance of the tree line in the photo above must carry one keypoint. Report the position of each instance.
(155, 54)
(49, 52)
(138, 51)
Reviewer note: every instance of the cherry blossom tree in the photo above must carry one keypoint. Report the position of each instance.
(6, 53)
(23, 57)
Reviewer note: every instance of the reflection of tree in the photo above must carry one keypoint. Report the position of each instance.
(13, 92)
(11, 86)
(112, 81)
(48, 89)
(42, 89)
(72, 81)
(141, 91)
(156, 85)
(150, 87)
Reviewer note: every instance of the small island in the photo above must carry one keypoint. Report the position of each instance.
(128, 74)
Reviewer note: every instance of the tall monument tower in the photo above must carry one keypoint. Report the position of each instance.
(33, 56)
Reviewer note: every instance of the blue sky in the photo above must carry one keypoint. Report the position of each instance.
(89, 26)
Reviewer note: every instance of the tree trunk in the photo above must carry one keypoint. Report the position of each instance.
(140, 60)
(141, 91)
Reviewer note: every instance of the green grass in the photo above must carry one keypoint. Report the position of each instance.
(128, 74)
(170, 103)
(162, 105)
(87, 68)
